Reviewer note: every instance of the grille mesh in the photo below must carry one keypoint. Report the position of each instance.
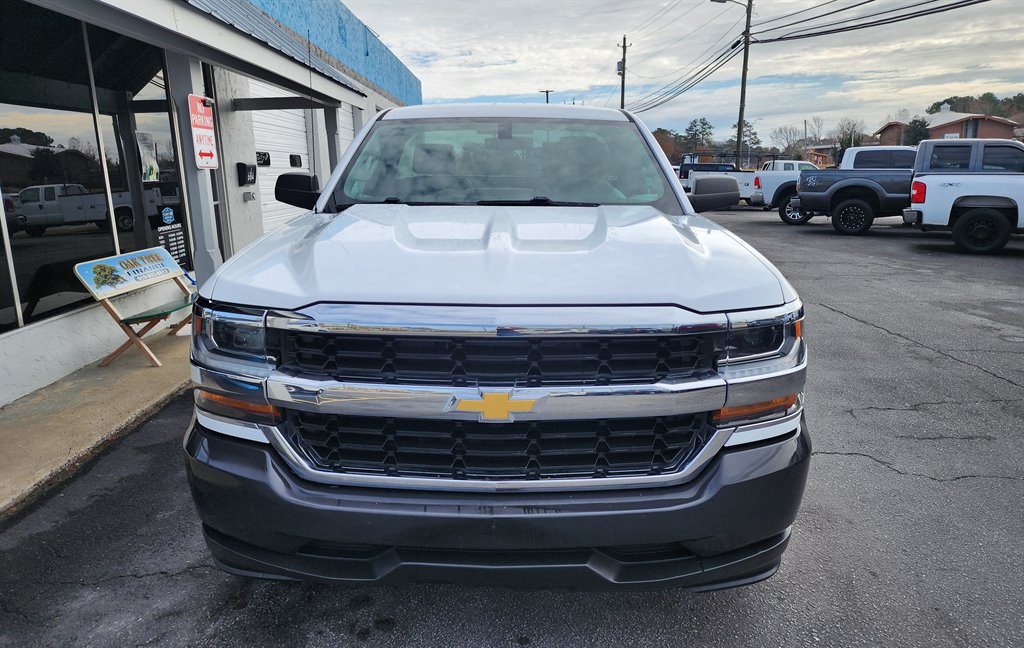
(517, 450)
(499, 361)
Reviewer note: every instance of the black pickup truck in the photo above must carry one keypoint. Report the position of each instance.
(853, 198)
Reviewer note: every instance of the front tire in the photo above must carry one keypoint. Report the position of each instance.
(981, 231)
(125, 219)
(853, 217)
(792, 216)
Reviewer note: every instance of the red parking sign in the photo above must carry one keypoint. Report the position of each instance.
(204, 139)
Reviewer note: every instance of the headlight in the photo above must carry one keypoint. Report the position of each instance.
(766, 337)
(230, 339)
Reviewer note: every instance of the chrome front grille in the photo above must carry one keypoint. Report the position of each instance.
(539, 450)
(512, 361)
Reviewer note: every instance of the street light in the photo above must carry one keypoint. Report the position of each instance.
(743, 84)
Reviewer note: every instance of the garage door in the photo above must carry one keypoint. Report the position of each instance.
(282, 135)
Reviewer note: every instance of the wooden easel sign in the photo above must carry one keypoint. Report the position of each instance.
(112, 276)
(117, 275)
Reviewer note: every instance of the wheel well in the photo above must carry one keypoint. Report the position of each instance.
(1001, 204)
(866, 195)
(122, 209)
(782, 192)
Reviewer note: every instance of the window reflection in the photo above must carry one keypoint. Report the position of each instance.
(53, 167)
(136, 130)
(50, 158)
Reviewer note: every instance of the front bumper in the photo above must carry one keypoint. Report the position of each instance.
(726, 527)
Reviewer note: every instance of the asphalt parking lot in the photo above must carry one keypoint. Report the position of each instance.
(910, 532)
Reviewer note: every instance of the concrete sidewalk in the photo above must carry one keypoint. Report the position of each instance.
(46, 435)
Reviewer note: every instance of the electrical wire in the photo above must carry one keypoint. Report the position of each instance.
(667, 23)
(812, 18)
(784, 16)
(686, 35)
(875, 23)
(690, 82)
(651, 19)
(696, 58)
(694, 69)
(847, 20)
(721, 60)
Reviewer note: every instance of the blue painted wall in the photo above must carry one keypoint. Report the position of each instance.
(334, 29)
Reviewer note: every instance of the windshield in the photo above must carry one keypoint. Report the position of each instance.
(505, 161)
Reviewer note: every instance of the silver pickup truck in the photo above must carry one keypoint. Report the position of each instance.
(501, 348)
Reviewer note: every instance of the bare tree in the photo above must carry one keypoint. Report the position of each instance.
(847, 132)
(787, 138)
(815, 128)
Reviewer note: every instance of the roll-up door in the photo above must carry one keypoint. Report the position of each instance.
(282, 135)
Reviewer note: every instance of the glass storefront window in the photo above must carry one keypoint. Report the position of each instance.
(50, 159)
(57, 150)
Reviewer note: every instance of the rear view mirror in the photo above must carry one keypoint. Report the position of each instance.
(298, 189)
(708, 193)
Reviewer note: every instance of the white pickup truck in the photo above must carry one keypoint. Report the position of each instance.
(974, 187)
(778, 170)
(54, 205)
(502, 348)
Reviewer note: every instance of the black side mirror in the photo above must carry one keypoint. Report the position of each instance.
(298, 189)
(708, 193)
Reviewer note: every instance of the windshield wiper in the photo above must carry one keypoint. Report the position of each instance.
(542, 201)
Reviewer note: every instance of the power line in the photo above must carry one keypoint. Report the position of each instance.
(784, 16)
(686, 35)
(855, 18)
(651, 19)
(666, 24)
(698, 57)
(719, 62)
(824, 15)
(875, 23)
(688, 83)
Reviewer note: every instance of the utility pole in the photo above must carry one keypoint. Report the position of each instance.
(622, 71)
(547, 95)
(743, 82)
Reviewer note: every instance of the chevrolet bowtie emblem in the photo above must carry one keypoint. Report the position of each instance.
(495, 406)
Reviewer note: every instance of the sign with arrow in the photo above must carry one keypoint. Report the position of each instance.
(204, 138)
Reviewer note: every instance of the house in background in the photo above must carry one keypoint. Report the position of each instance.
(947, 124)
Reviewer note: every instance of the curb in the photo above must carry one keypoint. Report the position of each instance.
(70, 468)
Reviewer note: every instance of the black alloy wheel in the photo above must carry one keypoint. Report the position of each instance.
(981, 231)
(853, 216)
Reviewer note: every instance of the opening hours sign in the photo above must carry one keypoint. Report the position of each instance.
(204, 140)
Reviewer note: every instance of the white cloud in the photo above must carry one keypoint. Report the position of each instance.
(465, 49)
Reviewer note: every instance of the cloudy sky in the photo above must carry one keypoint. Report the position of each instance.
(508, 50)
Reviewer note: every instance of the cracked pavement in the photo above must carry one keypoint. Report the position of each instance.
(910, 532)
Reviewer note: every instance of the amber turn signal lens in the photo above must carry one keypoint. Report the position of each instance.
(798, 328)
(755, 410)
(235, 407)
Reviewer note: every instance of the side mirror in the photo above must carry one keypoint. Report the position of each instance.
(298, 189)
(708, 193)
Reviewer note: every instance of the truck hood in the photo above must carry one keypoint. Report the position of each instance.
(500, 256)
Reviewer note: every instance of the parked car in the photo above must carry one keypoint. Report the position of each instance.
(501, 348)
(773, 187)
(858, 192)
(878, 157)
(974, 187)
(684, 171)
(54, 205)
(12, 212)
